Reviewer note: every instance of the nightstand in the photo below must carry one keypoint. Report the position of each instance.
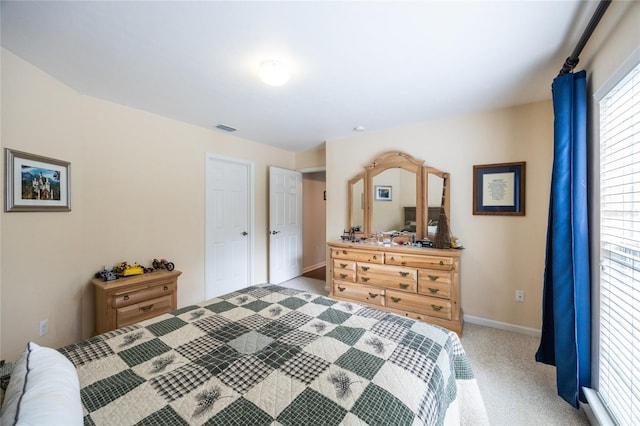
(128, 300)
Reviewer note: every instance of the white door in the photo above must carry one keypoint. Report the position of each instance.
(229, 225)
(285, 225)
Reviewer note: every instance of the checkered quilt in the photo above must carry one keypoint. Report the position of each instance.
(270, 355)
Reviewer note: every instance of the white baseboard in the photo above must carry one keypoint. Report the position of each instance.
(588, 412)
(314, 267)
(596, 410)
(502, 326)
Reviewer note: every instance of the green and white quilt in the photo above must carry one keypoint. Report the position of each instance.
(270, 355)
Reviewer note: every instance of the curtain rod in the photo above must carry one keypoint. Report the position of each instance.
(573, 60)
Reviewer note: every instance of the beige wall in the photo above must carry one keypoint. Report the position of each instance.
(137, 185)
(311, 159)
(502, 254)
(615, 38)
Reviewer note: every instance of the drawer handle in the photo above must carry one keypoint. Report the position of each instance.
(365, 268)
(365, 279)
(404, 274)
(165, 288)
(403, 285)
(433, 290)
(393, 258)
(126, 297)
(344, 252)
(442, 263)
(343, 265)
(375, 257)
(436, 308)
(343, 276)
(146, 308)
(373, 295)
(342, 288)
(433, 277)
(395, 299)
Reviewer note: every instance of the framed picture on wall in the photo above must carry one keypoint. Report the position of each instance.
(383, 192)
(499, 189)
(34, 183)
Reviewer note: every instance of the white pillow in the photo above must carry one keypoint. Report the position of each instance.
(43, 390)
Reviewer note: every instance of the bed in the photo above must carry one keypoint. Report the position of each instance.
(271, 355)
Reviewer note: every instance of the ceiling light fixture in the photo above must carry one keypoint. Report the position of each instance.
(358, 129)
(274, 73)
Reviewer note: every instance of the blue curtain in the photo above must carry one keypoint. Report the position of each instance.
(566, 317)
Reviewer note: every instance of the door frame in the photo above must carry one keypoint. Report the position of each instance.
(250, 216)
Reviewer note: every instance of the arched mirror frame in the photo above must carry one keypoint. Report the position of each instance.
(352, 182)
(400, 159)
(390, 160)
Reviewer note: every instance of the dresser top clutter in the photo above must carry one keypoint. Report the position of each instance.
(398, 211)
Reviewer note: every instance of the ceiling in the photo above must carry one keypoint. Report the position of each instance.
(377, 65)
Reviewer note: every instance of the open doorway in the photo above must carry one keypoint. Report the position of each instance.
(314, 214)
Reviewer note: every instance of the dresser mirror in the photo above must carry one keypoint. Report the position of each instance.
(437, 197)
(397, 193)
(356, 202)
(394, 187)
(394, 194)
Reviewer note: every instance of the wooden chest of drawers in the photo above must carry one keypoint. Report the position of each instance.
(129, 300)
(419, 283)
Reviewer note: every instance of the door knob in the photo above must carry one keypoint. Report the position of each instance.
(275, 232)
(245, 233)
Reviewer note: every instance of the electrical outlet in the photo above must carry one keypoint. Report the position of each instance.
(519, 295)
(44, 327)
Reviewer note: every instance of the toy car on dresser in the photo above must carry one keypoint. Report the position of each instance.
(163, 264)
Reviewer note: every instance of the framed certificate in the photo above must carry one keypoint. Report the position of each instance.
(499, 189)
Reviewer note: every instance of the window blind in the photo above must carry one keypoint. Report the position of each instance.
(619, 334)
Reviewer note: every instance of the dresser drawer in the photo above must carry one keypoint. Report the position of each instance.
(359, 293)
(126, 298)
(358, 255)
(407, 274)
(434, 283)
(342, 264)
(430, 306)
(344, 270)
(428, 262)
(150, 308)
(387, 281)
(344, 275)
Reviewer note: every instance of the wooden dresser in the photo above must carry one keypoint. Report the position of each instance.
(420, 283)
(128, 300)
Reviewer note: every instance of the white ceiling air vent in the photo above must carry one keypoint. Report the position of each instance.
(225, 128)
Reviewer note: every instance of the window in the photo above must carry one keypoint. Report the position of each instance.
(619, 334)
